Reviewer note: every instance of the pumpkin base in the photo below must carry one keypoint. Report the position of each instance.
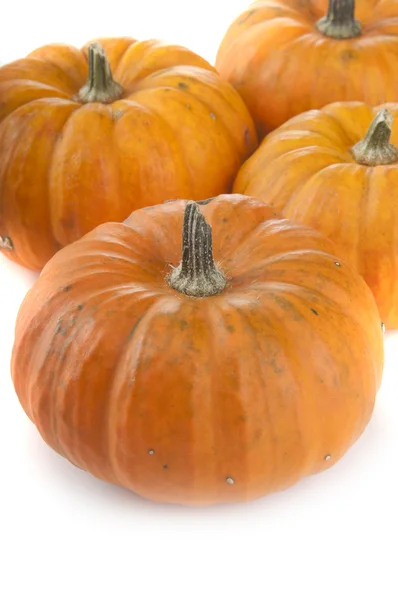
(339, 31)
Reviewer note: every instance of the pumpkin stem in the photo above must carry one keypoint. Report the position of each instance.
(375, 148)
(197, 274)
(6, 243)
(100, 86)
(340, 22)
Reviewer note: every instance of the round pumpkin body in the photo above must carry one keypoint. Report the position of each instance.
(307, 170)
(199, 400)
(291, 56)
(152, 122)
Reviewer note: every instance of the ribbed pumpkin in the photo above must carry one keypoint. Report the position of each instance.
(336, 170)
(216, 372)
(80, 146)
(290, 56)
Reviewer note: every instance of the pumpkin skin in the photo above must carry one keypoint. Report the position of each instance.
(199, 400)
(306, 170)
(282, 65)
(66, 166)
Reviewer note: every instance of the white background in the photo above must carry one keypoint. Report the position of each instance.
(65, 535)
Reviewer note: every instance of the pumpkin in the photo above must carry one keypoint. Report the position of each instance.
(88, 136)
(335, 169)
(218, 369)
(291, 56)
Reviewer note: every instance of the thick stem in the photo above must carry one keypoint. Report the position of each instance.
(197, 274)
(340, 22)
(6, 243)
(375, 148)
(100, 86)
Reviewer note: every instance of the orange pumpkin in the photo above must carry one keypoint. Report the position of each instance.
(336, 170)
(76, 154)
(290, 56)
(229, 374)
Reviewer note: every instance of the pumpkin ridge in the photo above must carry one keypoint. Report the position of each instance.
(308, 182)
(313, 457)
(246, 37)
(108, 297)
(234, 253)
(25, 124)
(65, 84)
(221, 121)
(106, 420)
(289, 259)
(141, 326)
(33, 86)
(255, 356)
(116, 68)
(59, 68)
(50, 169)
(255, 183)
(278, 330)
(178, 145)
(346, 136)
(214, 312)
(220, 118)
(395, 263)
(360, 260)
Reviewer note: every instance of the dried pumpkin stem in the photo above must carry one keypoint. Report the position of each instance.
(340, 22)
(197, 274)
(100, 87)
(375, 148)
(6, 243)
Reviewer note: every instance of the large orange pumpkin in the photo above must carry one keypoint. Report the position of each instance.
(337, 171)
(80, 146)
(290, 56)
(251, 363)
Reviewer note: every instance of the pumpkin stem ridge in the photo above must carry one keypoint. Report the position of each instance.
(197, 275)
(100, 86)
(375, 148)
(340, 22)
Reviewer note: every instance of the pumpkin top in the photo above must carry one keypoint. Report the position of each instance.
(255, 255)
(349, 133)
(104, 71)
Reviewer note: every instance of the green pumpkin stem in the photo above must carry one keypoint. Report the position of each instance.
(340, 22)
(375, 148)
(197, 274)
(100, 86)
